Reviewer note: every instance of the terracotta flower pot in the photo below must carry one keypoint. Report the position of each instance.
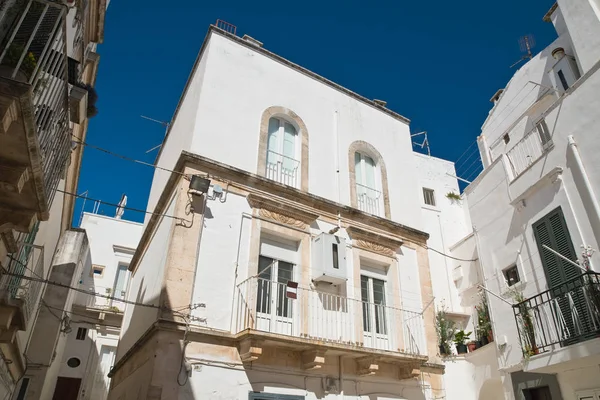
(472, 346)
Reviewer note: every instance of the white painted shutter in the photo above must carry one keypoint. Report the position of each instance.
(273, 141)
(289, 147)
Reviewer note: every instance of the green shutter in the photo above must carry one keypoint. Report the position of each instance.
(552, 231)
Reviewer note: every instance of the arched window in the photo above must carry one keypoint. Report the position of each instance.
(283, 148)
(367, 189)
(283, 164)
(368, 180)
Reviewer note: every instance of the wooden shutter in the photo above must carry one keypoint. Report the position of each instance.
(552, 231)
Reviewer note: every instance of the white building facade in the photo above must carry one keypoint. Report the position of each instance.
(95, 320)
(536, 221)
(286, 256)
(48, 67)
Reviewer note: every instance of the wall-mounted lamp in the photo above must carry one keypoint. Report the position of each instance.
(199, 184)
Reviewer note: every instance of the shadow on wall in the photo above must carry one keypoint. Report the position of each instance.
(158, 366)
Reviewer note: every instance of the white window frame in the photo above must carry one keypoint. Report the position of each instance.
(541, 128)
(431, 192)
(361, 181)
(279, 153)
(593, 394)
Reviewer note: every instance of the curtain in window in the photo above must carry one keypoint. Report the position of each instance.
(289, 147)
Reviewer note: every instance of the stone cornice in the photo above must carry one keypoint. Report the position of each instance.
(374, 242)
(287, 195)
(280, 212)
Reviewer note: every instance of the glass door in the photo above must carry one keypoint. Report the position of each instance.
(375, 324)
(273, 307)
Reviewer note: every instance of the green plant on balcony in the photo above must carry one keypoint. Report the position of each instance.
(453, 197)
(13, 55)
(445, 328)
(525, 326)
(484, 322)
(460, 339)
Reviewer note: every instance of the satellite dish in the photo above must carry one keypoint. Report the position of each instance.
(121, 207)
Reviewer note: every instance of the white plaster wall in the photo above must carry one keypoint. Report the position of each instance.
(267, 83)
(179, 134)
(518, 96)
(88, 351)
(225, 235)
(235, 84)
(582, 19)
(583, 376)
(446, 224)
(237, 383)
(474, 376)
(112, 241)
(146, 284)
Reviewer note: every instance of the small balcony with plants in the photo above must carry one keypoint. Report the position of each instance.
(35, 135)
(562, 316)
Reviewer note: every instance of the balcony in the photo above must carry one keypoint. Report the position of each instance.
(529, 149)
(18, 296)
(282, 169)
(34, 110)
(94, 302)
(561, 316)
(313, 322)
(369, 199)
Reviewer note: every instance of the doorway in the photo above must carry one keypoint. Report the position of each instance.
(66, 388)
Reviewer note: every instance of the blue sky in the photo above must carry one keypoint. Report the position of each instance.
(437, 63)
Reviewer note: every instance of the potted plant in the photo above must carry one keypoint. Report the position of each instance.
(460, 339)
(484, 321)
(525, 326)
(472, 345)
(445, 329)
(11, 59)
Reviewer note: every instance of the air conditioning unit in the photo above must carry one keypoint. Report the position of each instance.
(329, 259)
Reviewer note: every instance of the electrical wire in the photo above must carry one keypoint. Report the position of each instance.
(123, 207)
(126, 158)
(49, 282)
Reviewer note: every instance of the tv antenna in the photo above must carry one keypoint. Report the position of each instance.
(163, 123)
(526, 43)
(425, 142)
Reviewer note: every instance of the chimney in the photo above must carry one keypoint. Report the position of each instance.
(558, 53)
(380, 103)
(252, 41)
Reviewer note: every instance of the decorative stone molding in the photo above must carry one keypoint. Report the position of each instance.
(553, 177)
(294, 119)
(368, 149)
(283, 213)
(367, 366)
(313, 359)
(374, 242)
(409, 372)
(250, 350)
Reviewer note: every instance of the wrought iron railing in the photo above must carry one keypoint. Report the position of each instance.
(28, 262)
(34, 51)
(560, 316)
(368, 199)
(93, 301)
(282, 169)
(263, 305)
